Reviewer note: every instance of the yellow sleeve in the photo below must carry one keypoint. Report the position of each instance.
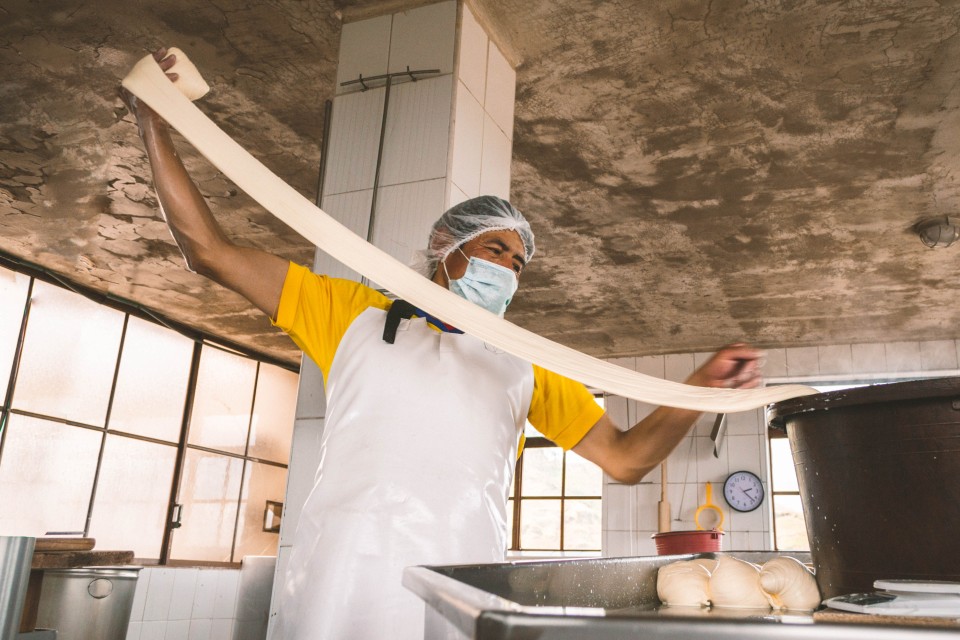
(561, 409)
(316, 310)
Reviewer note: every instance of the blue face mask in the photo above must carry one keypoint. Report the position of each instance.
(485, 284)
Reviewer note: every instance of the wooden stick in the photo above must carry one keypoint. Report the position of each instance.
(663, 507)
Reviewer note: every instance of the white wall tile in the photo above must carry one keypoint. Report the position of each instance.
(133, 631)
(221, 629)
(836, 359)
(618, 544)
(678, 367)
(744, 423)
(418, 131)
(301, 473)
(364, 49)
(738, 540)
(311, 400)
(200, 629)
(684, 500)
(153, 630)
(704, 424)
(682, 461)
(709, 468)
(652, 366)
(646, 506)
(225, 602)
(759, 540)
(177, 630)
(936, 355)
(869, 358)
(352, 210)
(803, 361)
(749, 521)
(455, 195)
(643, 544)
(405, 213)
(501, 90)
(775, 363)
(495, 164)
(423, 38)
(184, 591)
(619, 503)
(354, 142)
(140, 595)
(743, 453)
(617, 411)
(206, 593)
(903, 356)
(467, 147)
(472, 65)
(159, 595)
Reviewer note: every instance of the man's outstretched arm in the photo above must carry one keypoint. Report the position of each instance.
(627, 456)
(254, 274)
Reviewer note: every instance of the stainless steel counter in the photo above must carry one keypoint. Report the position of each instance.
(605, 599)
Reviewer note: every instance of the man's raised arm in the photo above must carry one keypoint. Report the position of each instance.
(254, 274)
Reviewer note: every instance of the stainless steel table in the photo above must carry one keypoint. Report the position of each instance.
(608, 599)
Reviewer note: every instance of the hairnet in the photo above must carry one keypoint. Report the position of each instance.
(464, 222)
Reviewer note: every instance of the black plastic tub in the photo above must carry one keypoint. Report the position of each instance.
(879, 475)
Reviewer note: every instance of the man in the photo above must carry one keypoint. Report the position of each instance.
(422, 424)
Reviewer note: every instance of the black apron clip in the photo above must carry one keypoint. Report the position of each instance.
(399, 310)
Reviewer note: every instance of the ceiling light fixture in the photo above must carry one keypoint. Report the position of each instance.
(941, 231)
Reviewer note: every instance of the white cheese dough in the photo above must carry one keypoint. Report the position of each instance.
(736, 584)
(189, 81)
(685, 583)
(147, 81)
(789, 584)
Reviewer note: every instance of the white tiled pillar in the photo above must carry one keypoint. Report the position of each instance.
(447, 137)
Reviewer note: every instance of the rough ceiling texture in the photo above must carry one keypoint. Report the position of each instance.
(696, 172)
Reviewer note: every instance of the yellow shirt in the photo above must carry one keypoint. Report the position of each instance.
(316, 311)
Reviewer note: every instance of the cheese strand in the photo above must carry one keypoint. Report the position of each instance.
(148, 82)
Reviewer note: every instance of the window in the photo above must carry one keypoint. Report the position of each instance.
(559, 504)
(111, 424)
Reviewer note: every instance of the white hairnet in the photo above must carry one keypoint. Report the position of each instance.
(464, 222)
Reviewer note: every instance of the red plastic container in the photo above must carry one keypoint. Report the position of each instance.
(676, 542)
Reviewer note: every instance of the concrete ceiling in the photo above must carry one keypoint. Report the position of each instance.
(697, 172)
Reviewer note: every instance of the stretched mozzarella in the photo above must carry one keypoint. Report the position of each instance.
(736, 584)
(789, 584)
(147, 81)
(189, 81)
(685, 583)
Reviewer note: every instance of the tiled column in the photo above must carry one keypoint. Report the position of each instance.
(447, 138)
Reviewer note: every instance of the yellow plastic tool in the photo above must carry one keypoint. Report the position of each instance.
(709, 506)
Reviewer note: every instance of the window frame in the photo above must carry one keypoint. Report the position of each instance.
(540, 442)
(201, 340)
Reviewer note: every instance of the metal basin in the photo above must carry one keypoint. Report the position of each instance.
(604, 599)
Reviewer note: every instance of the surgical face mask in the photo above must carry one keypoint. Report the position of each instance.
(485, 284)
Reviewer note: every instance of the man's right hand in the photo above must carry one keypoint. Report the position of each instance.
(141, 111)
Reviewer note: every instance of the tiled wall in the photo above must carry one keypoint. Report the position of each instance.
(203, 604)
(447, 136)
(630, 512)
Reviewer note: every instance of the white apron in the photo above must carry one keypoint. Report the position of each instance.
(417, 457)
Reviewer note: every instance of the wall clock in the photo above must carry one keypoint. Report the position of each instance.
(743, 491)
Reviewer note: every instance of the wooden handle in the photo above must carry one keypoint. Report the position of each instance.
(663, 507)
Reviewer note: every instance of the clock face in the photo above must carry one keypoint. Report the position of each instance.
(743, 491)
